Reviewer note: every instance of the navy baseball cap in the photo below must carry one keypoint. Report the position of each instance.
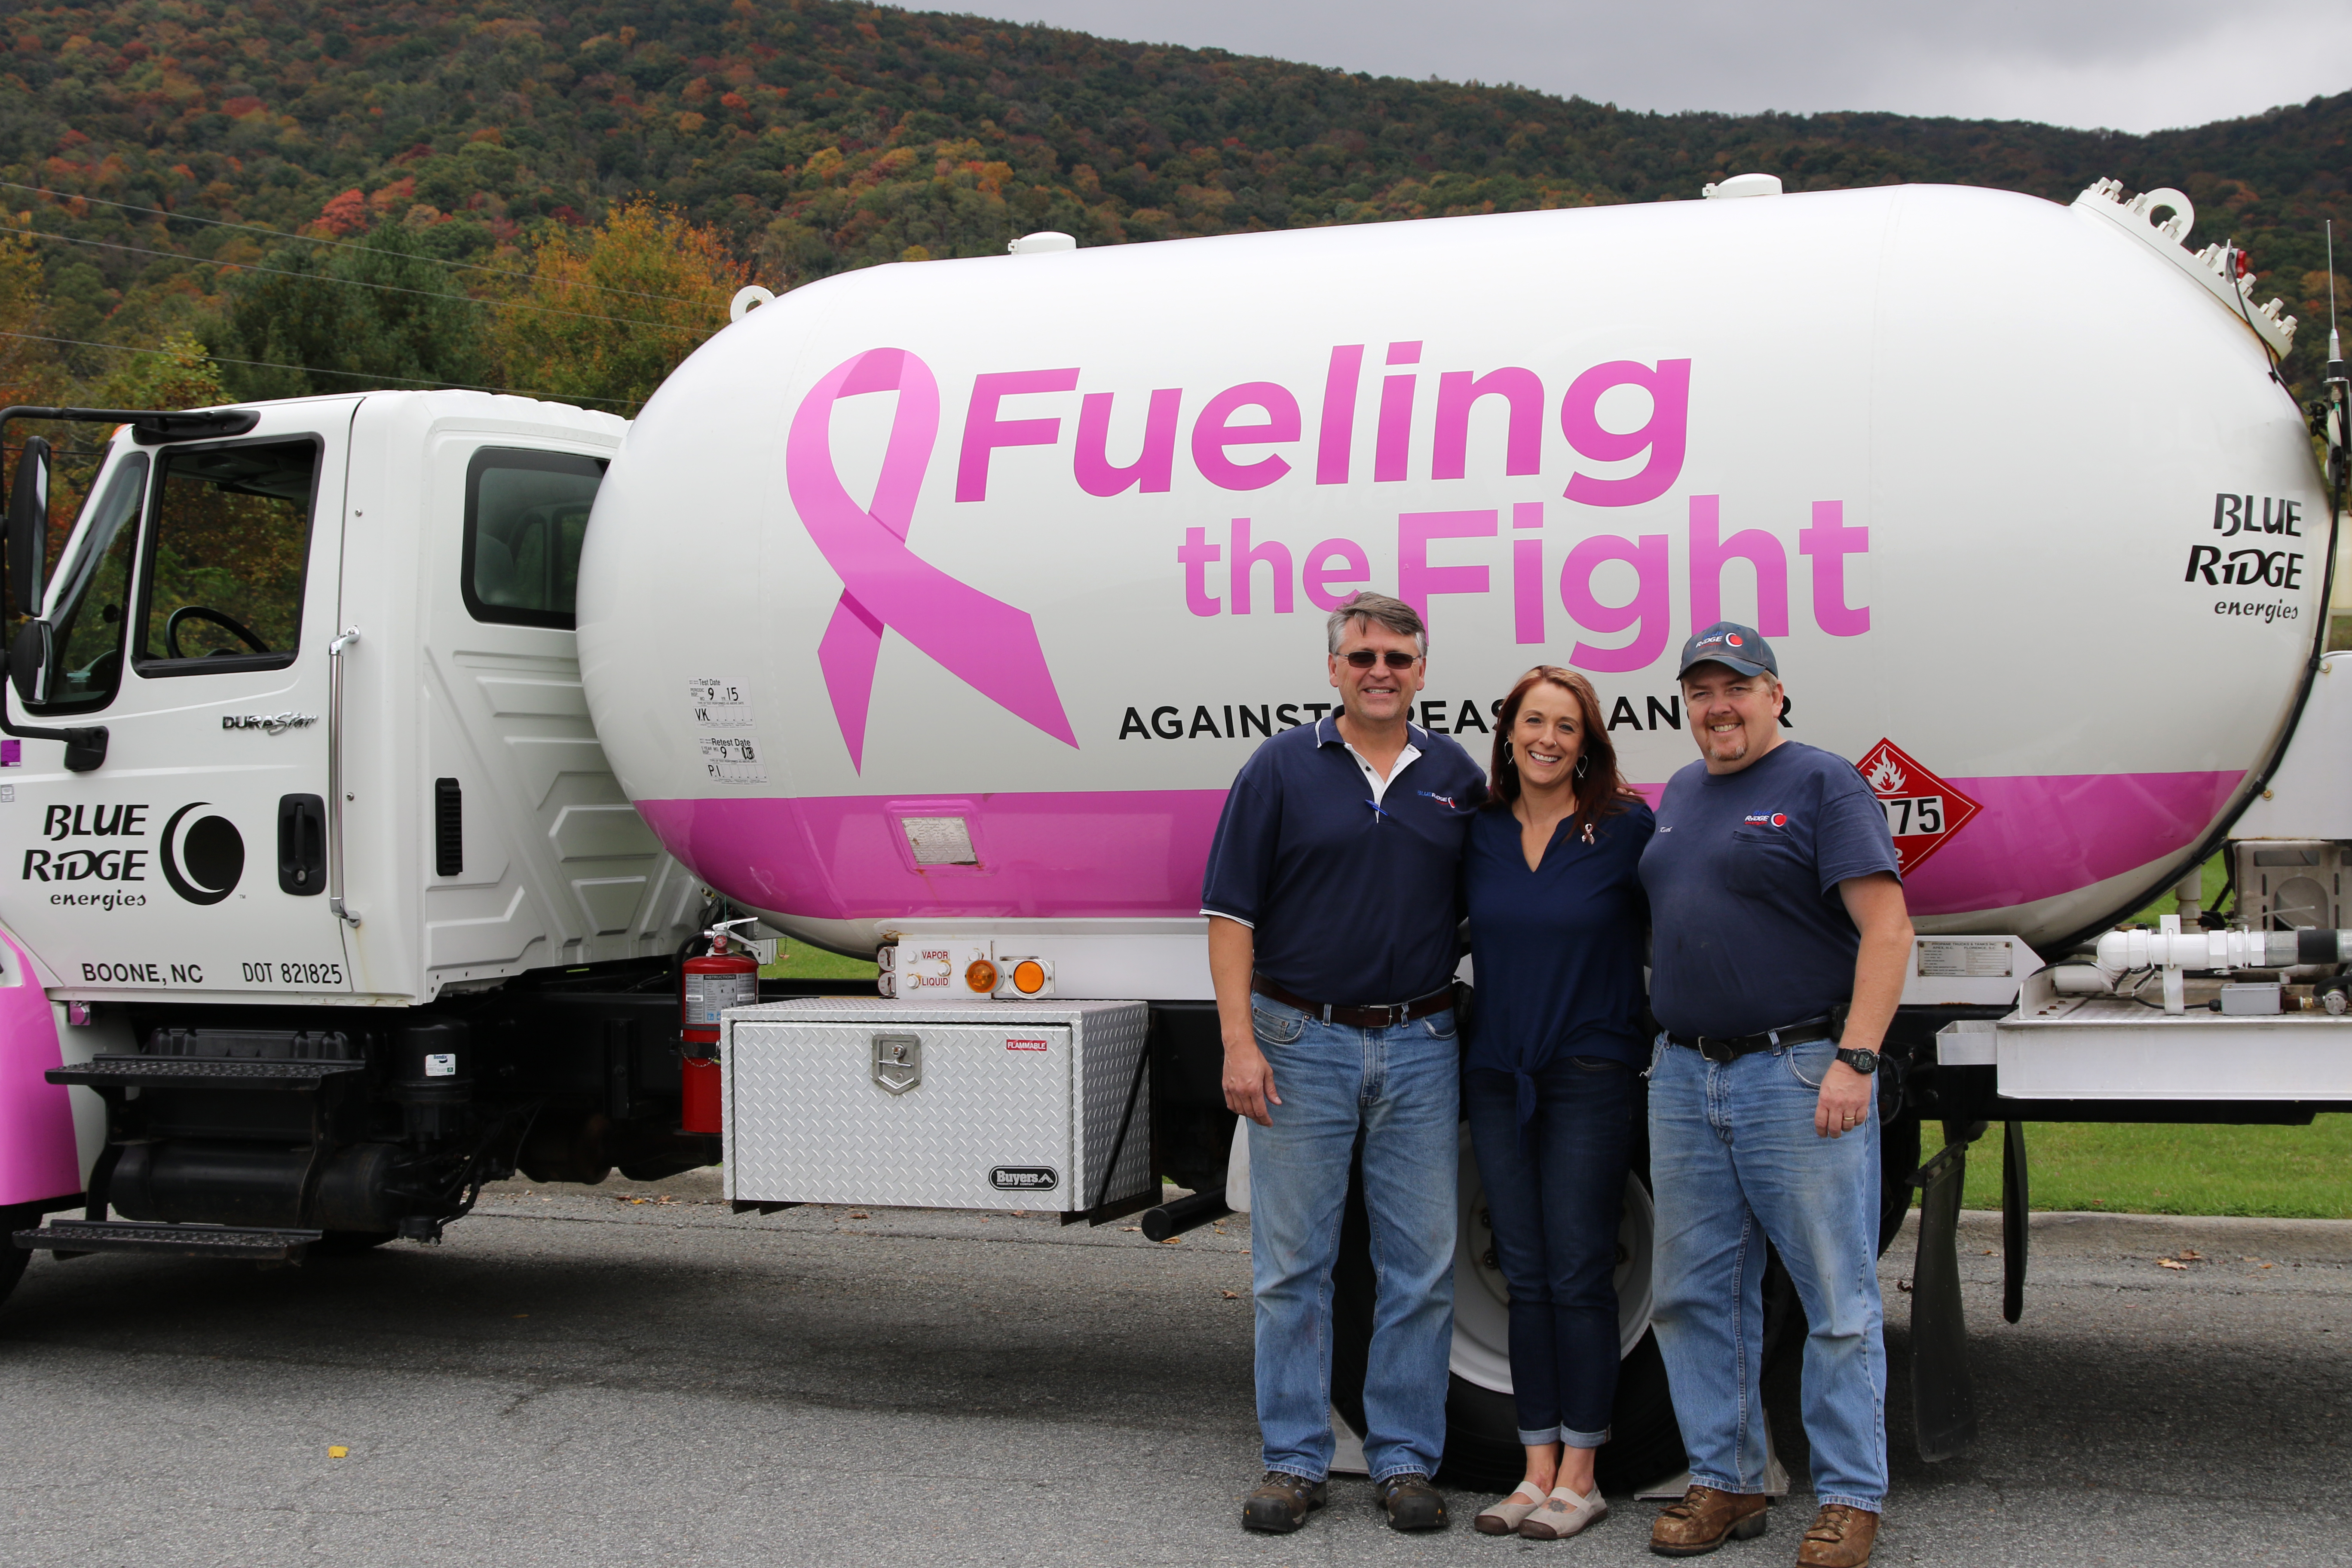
(1729, 644)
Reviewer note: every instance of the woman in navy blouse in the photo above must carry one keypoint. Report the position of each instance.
(1557, 923)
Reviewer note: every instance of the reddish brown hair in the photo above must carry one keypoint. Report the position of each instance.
(1601, 792)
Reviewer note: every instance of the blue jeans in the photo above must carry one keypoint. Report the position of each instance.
(1554, 1193)
(1734, 1162)
(1400, 1088)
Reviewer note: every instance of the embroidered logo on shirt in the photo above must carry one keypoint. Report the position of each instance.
(1766, 819)
(1444, 800)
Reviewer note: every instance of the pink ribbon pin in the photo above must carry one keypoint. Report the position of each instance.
(983, 641)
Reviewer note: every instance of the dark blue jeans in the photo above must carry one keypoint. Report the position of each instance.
(1554, 1193)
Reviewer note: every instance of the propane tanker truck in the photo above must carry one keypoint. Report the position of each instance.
(379, 765)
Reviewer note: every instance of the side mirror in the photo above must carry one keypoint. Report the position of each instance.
(28, 662)
(28, 526)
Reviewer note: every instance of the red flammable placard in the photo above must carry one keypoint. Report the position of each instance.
(1922, 811)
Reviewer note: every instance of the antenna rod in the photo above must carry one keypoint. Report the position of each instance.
(2335, 341)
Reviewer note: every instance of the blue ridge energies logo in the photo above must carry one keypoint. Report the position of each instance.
(202, 864)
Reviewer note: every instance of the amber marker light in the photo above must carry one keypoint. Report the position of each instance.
(980, 976)
(1028, 977)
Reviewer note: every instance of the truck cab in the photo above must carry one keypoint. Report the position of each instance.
(303, 772)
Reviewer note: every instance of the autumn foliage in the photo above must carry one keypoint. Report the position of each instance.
(551, 143)
(607, 312)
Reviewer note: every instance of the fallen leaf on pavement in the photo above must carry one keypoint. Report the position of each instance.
(2168, 1263)
(1230, 1295)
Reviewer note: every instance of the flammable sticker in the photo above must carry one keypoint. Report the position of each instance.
(1923, 811)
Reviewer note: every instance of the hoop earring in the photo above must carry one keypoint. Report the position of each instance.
(1582, 763)
(1509, 760)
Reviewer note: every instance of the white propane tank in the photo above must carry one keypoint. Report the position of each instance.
(962, 588)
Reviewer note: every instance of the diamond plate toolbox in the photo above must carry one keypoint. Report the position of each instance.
(996, 1105)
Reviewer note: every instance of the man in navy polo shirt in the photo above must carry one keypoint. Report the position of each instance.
(1333, 911)
(1779, 939)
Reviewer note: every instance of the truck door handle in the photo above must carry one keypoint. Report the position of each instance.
(301, 845)
(335, 650)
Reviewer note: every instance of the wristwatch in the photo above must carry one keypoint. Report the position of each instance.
(1863, 1062)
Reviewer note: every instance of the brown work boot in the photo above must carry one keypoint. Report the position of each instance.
(1282, 1502)
(1841, 1538)
(1704, 1519)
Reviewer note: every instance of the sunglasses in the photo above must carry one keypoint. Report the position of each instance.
(1363, 659)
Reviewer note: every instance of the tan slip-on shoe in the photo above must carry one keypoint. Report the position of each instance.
(1502, 1519)
(1563, 1514)
(1705, 1519)
(1841, 1538)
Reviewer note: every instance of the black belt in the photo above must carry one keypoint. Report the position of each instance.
(1725, 1047)
(1385, 1016)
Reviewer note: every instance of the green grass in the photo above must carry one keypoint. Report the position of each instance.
(2292, 1173)
(2166, 904)
(799, 960)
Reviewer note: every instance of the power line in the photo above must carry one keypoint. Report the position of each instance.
(170, 216)
(313, 370)
(351, 282)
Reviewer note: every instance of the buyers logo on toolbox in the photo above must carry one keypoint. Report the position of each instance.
(1025, 1178)
(1923, 811)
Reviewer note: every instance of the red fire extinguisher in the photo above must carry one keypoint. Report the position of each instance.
(713, 983)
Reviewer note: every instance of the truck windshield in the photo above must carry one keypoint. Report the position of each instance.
(89, 592)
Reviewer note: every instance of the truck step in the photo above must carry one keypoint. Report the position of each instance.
(252, 1243)
(201, 1072)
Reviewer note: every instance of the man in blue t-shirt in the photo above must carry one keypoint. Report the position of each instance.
(1332, 907)
(1778, 948)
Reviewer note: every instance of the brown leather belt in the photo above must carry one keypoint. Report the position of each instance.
(1356, 1017)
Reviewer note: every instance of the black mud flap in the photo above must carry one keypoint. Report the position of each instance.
(2014, 1215)
(1943, 1396)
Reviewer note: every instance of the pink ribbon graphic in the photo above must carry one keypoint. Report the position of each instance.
(982, 641)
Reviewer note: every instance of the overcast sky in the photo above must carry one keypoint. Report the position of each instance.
(2131, 65)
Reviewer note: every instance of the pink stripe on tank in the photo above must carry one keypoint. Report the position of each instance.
(2038, 838)
(1141, 852)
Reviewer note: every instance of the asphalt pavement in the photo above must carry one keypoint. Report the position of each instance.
(632, 1375)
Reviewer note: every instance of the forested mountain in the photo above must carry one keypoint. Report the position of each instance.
(813, 136)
